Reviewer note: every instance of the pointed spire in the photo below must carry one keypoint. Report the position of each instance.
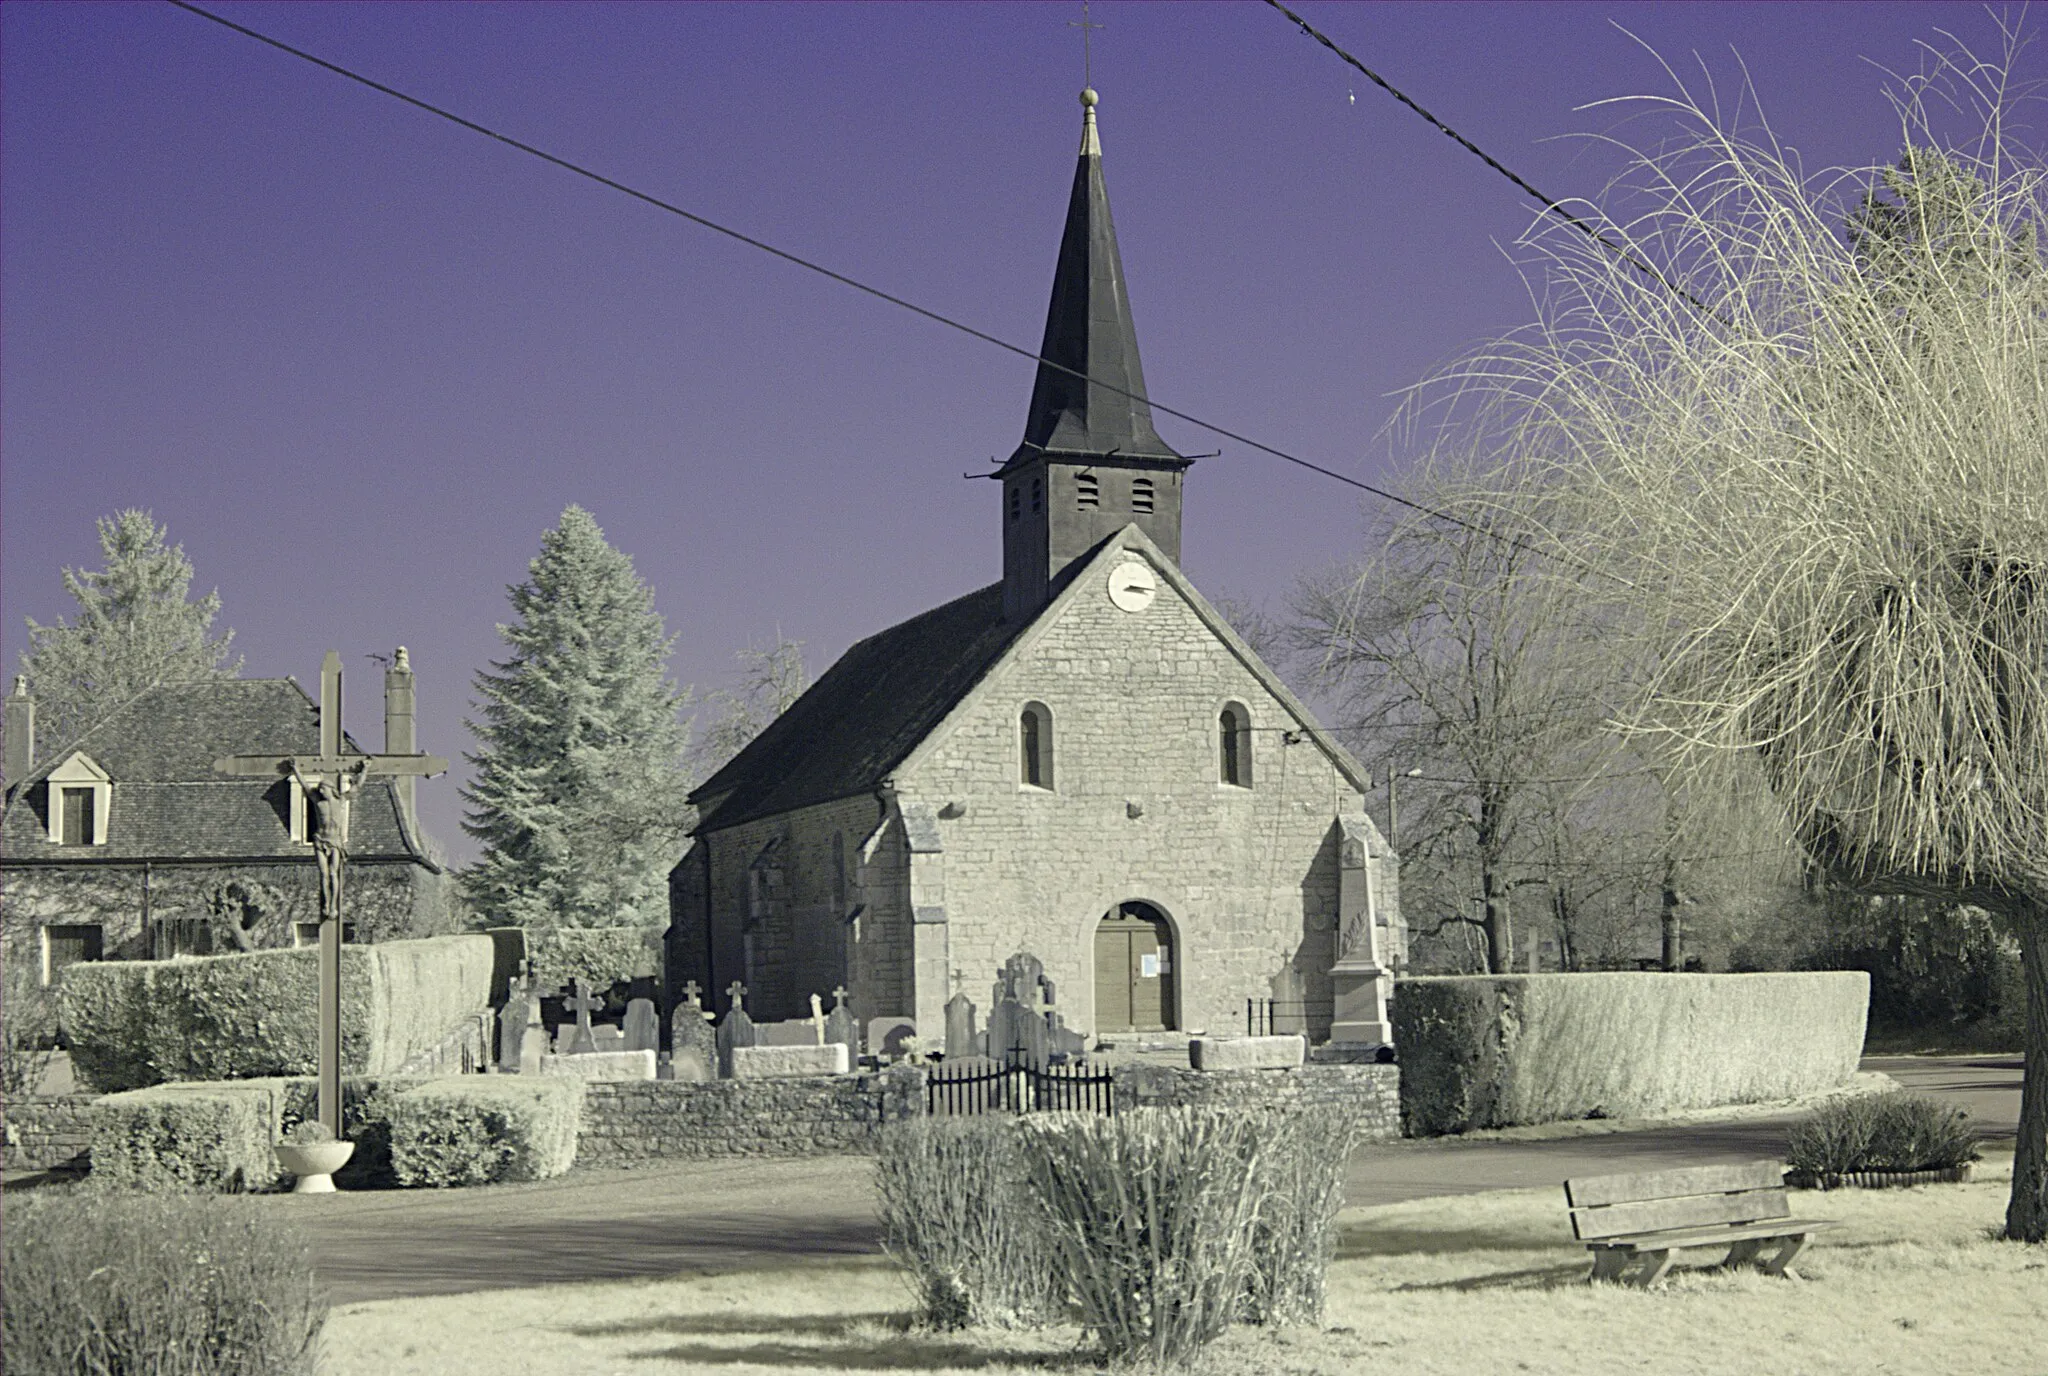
(1088, 329)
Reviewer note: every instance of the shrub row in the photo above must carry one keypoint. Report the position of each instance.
(1491, 1051)
(131, 1023)
(600, 956)
(1158, 1228)
(218, 1136)
(100, 1284)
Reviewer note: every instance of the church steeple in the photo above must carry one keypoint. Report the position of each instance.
(1091, 461)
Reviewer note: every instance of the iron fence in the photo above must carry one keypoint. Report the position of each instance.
(1280, 1017)
(978, 1086)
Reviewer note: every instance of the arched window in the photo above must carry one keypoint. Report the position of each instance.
(1034, 746)
(1141, 496)
(1234, 745)
(1016, 500)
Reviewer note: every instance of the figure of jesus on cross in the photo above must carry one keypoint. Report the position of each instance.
(329, 782)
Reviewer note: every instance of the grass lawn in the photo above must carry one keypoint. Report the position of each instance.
(1915, 1283)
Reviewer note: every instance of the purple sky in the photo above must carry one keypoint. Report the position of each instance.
(358, 359)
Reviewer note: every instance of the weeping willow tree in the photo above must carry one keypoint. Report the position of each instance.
(1790, 434)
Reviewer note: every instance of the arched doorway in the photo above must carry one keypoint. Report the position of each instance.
(1134, 971)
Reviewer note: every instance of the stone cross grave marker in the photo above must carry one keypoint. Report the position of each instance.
(643, 1026)
(735, 1029)
(330, 781)
(582, 1003)
(840, 1026)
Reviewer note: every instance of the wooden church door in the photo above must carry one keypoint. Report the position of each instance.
(1133, 971)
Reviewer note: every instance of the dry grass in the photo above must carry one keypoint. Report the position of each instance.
(1914, 1283)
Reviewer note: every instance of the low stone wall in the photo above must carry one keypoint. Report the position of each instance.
(48, 1131)
(1372, 1092)
(628, 1123)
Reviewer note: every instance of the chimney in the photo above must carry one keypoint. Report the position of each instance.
(400, 735)
(21, 731)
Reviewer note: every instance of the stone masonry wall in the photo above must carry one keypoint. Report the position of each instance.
(631, 1122)
(784, 935)
(47, 1131)
(1246, 876)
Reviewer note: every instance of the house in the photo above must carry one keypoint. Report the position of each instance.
(127, 843)
(1081, 761)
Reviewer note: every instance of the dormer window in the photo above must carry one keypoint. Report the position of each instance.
(1088, 492)
(81, 796)
(1141, 496)
(301, 815)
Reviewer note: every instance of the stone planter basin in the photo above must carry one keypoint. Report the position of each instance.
(314, 1163)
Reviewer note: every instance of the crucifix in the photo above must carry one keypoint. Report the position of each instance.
(582, 1003)
(330, 781)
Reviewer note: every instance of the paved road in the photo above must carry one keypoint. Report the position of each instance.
(740, 1215)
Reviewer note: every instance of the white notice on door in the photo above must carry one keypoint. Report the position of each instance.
(1148, 965)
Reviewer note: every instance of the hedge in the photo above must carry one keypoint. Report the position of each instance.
(132, 1023)
(479, 1130)
(602, 956)
(1485, 1051)
(182, 1137)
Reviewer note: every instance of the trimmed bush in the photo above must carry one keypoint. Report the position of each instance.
(1882, 1132)
(602, 956)
(175, 1287)
(1487, 1051)
(132, 1023)
(482, 1129)
(189, 1136)
(952, 1198)
(1150, 1217)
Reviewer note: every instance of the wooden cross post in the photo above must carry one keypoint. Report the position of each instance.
(330, 780)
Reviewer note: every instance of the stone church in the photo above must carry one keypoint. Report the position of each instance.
(1082, 761)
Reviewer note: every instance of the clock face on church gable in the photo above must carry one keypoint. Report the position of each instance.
(1132, 586)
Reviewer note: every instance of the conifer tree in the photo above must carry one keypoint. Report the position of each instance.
(135, 628)
(578, 792)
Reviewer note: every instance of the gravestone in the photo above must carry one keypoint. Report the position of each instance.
(608, 1038)
(643, 1026)
(735, 1029)
(840, 1026)
(961, 1038)
(692, 1041)
(887, 1036)
(792, 1032)
(582, 1003)
(521, 1011)
(817, 1019)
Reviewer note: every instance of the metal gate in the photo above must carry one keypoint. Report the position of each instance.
(978, 1085)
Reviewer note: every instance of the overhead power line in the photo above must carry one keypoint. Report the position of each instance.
(1577, 222)
(796, 260)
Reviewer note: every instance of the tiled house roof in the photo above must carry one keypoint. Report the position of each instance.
(869, 711)
(168, 803)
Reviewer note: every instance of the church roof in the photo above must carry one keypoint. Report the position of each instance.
(1088, 332)
(868, 712)
(892, 695)
(168, 801)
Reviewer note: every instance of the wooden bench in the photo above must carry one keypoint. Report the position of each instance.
(1640, 1220)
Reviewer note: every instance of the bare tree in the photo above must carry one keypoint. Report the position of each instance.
(1444, 657)
(1805, 474)
(769, 681)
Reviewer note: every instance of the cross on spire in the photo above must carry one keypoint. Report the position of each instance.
(1087, 46)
